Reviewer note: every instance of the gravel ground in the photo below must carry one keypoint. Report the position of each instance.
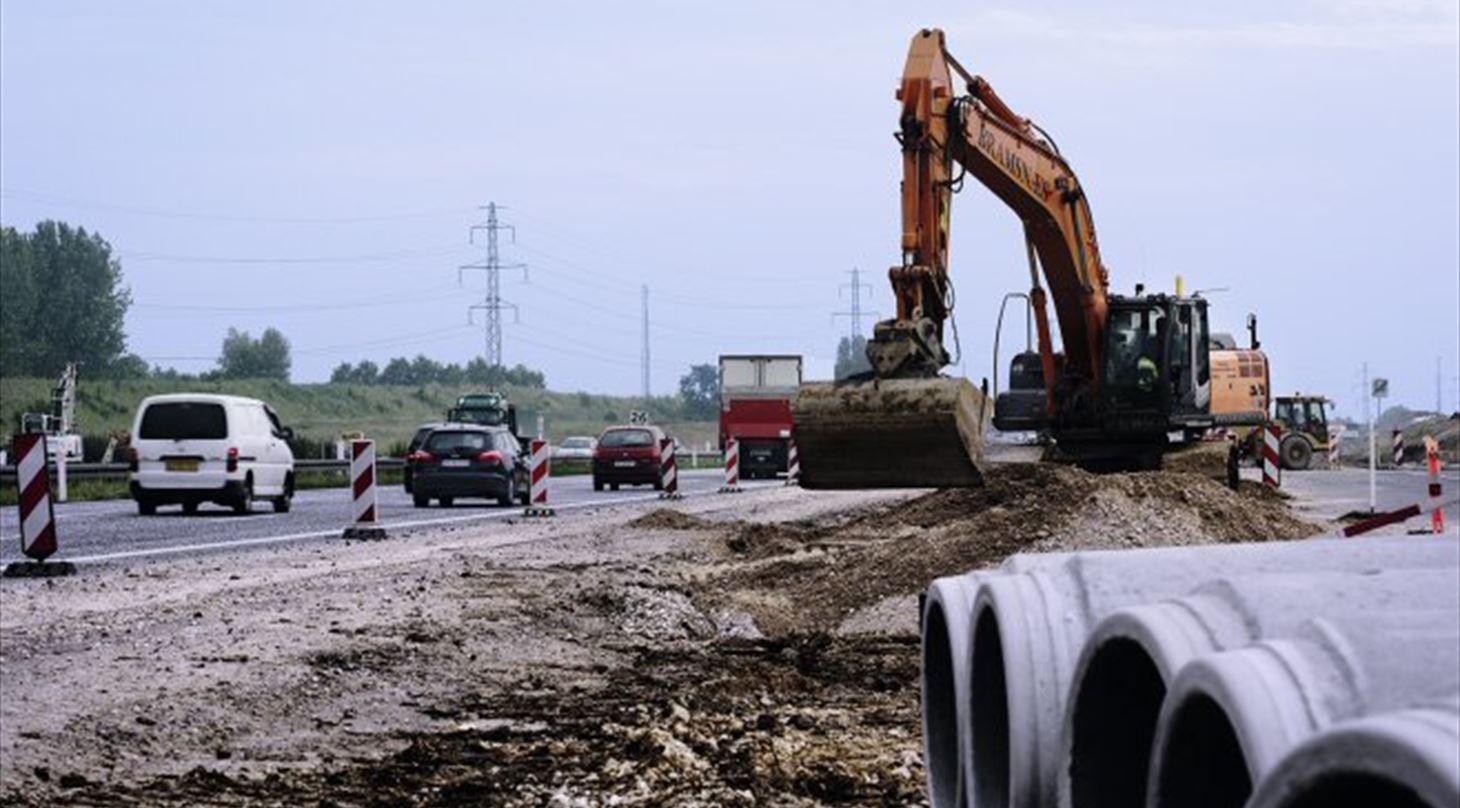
(750, 649)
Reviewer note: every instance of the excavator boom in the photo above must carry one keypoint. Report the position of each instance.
(848, 431)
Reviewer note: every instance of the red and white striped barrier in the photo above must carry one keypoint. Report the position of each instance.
(1335, 445)
(793, 463)
(1271, 463)
(37, 513)
(1437, 512)
(540, 470)
(364, 512)
(732, 467)
(668, 471)
(1398, 442)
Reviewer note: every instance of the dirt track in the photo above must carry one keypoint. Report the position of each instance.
(756, 652)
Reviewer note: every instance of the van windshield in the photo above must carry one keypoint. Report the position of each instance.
(626, 437)
(184, 420)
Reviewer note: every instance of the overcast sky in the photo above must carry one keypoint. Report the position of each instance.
(316, 166)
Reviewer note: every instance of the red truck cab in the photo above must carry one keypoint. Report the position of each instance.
(756, 393)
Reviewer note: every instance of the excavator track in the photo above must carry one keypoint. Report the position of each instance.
(891, 433)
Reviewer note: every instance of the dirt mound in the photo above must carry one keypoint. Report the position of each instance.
(666, 519)
(1028, 507)
(808, 720)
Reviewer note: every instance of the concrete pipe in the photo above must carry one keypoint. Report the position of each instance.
(1406, 759)
(1229, 717)
(1028, 628)
(947, 607)
(1121, 677)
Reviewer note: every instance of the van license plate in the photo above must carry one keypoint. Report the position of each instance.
(455, 464)
(624, 464)
(182, 464)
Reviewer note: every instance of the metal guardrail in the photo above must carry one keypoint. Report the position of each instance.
(106, 470)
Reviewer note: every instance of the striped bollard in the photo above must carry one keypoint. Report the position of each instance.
(1432, 458)
(1335, 445)
(37, 513)
(668, 471)
(1271, 467)
(793, 463)
(540, 465)
(364, 513)
(1398, 441)
(732, 467)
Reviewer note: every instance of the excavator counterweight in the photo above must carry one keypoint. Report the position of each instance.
(891, 433)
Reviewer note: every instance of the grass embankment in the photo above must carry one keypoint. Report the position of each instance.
(320, 413)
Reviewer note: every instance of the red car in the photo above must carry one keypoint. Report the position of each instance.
(628, 455)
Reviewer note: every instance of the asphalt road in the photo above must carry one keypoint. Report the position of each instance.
(94, 532)
(1328, 494)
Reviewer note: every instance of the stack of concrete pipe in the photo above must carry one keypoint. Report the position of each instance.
(1284, 675)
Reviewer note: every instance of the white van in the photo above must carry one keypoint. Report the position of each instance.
(189, 448)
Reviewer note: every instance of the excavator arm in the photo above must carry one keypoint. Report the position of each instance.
(977, 133)
(907, 425)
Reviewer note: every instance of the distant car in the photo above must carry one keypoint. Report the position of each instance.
(459, 461)
(416, 440)
(191, 448)
(628, 455)
(575, 448)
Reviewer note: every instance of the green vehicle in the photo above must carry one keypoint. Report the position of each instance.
(485, 409)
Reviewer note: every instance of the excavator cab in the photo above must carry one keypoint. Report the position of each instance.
(1157, 375)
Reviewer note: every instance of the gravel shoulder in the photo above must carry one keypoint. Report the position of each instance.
(751, 649)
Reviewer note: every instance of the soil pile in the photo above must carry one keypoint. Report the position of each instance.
(1033, 508)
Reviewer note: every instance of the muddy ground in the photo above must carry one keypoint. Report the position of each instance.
(754, 649)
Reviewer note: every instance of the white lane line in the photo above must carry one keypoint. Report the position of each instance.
(445, 520)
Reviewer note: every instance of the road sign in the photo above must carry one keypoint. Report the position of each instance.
(1381, 388)
(638, 417)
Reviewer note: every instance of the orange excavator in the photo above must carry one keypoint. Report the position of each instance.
(1133, 379)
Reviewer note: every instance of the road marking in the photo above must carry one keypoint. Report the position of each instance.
(445, 520)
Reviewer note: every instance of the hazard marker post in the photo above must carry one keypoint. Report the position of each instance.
(540, 470)
(1271, 465)
(1398, 442)
(37, 513)
(732, 467)
(364, 512)
(1335, 445)
(793, 464)
(668, 471)
(1436, 490)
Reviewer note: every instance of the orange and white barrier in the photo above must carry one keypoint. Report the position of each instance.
(793, 463)
(364, 511)
(37, 512)
(668, 471)
(1271, 464)
(540, 470)
(732, 467)
(1437, 512)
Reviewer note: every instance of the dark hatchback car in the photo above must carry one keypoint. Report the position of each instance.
(628, 455)
(461, 461)
(415, 445)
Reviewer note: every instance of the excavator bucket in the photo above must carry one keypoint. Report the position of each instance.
(890, 433)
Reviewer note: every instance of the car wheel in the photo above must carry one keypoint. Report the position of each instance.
(420, 501)
(146, 508)
(613, 486)
(505, 500)
(597, 484)
(282, 504)
(446, 501)
(244, 504)
(659, 484)
(190, 508)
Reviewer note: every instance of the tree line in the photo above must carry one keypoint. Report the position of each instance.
(425, 370)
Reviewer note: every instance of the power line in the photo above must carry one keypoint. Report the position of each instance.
(644, 355)
(855, 313)
(429, 252)
(38, 196)
(492, 304)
